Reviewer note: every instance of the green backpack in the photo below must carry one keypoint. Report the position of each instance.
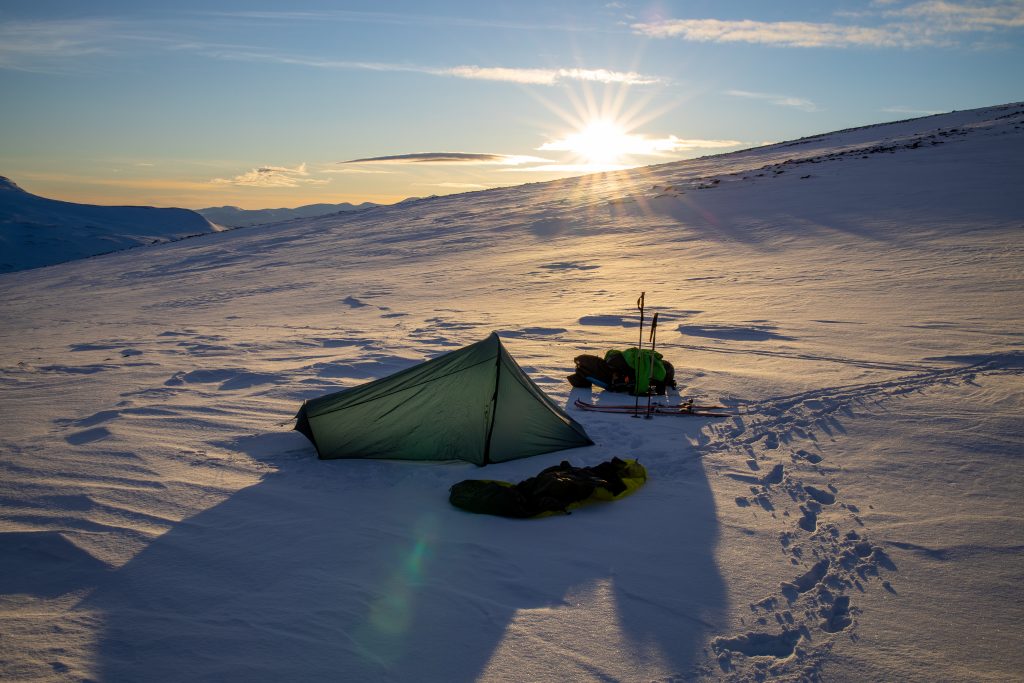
(638, 362)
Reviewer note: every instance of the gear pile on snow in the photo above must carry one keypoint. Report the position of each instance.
(625, 371)
(556, 490)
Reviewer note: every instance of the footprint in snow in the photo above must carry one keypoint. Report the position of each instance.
(820, 496)
(837, 615)
(806, 581)
(809, 520)
(812, 458)
(778, 645)
(775, 476)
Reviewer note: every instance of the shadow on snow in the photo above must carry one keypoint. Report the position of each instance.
(361, 570)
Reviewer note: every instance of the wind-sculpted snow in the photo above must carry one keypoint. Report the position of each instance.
(853, 300)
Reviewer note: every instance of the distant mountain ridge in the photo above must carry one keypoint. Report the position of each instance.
(236, 217)
(36, 231)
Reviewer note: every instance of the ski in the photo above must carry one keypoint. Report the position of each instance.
(657, 409)
(682, 407)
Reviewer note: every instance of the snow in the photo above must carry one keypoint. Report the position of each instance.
(858, 518)
(35, 231)
(237, 217)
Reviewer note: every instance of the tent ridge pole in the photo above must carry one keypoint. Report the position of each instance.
(494, 407)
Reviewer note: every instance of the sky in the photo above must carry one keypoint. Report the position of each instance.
(266, 105)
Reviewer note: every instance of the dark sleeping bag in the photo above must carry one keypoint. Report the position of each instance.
(556, 490)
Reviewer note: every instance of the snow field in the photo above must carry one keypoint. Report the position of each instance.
(858, 518)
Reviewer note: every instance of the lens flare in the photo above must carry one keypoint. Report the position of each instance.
(391, 614)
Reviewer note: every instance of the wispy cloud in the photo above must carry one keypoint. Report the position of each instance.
(353, 171)
(272, 176)
(528, 76)
(548, 76)
(958, 17)
(778, 33)
(929, 23)
(49, 46)
(403, 19)
(471, 158)
(39, 45)
(780, 100)
(638, 144)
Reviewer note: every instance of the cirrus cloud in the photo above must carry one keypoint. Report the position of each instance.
(53, 45)
(643, 145)
(778, 33)
(272, 176)
(928, 23)
(780, 100)
(547, 76)
(506, 74)
(472, 158)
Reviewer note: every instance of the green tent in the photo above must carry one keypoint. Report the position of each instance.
(474, 404)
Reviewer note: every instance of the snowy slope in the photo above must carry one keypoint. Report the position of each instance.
(855, 298)
(35, 231)
(236, 217)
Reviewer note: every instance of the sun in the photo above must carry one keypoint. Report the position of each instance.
(600, 142)
(600, 132)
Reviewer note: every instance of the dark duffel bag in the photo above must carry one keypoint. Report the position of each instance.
(590, 370)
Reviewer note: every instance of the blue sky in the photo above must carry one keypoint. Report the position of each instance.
(280, 104)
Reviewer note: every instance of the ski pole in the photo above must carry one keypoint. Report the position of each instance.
(640, 345)
(650, 368)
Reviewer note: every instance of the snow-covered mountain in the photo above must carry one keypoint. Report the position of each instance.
(854, 299)
(35, 231)
(240, 218)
